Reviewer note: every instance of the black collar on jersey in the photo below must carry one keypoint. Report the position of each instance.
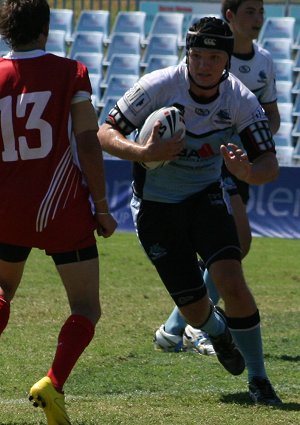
(202, 99)
(245, 56)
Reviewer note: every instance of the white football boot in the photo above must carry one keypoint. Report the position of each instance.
(164, 341)
(196, 340)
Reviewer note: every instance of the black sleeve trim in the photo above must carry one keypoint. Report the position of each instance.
(257, 139)
(117, 120)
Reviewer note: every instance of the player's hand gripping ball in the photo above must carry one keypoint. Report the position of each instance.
(171, 121)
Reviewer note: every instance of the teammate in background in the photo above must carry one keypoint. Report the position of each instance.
(45, 197)
(177, 205)
(253, 65)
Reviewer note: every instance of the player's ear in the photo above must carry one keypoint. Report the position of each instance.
(228, 15)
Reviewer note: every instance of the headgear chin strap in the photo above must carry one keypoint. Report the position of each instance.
(224, 76)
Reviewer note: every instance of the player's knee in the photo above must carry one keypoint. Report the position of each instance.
(197, 313)
(228, 277)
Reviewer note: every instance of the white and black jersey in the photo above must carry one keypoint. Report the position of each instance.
(256, 71)
(208, 126)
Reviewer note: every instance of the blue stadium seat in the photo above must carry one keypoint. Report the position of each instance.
(117, 86)
(131, 21)
(283, 137)
(280, 48)
(277, 27)
(87, 42)
(167, 24)
(109, 104)
(284, 69)
(285, 111)
(123, 43)
(122, 64)
(284, 91)
(93, 20)
(93, 61)
(164, 44)
(56, 42)
(160, 61)
(62, 19)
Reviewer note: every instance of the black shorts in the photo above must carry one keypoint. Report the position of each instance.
(173, 234)
(16, 254)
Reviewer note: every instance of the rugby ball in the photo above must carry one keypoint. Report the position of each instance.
(171, 120)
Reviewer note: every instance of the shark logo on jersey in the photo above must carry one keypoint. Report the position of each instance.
(259, 113)
(223, 116)
(244, 69)
(262, 77)
(202, 112)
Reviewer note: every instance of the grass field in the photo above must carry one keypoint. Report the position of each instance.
(120, 379)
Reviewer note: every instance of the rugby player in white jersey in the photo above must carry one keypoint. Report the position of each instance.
(253, 65)
(177, 205)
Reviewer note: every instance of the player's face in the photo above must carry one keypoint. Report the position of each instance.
(206, 66)
(248, 20)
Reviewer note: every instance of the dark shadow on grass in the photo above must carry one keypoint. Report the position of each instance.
(236, 398)
(284, 357)
(243, 400)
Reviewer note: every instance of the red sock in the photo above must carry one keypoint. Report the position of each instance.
(74, 337)
(4, 313)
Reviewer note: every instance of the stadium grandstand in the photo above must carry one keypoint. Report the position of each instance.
(151, 34)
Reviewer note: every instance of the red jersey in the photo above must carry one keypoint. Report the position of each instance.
(43, 199)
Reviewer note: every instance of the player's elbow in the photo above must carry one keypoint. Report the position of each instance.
(104, 134)
(272, 168)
